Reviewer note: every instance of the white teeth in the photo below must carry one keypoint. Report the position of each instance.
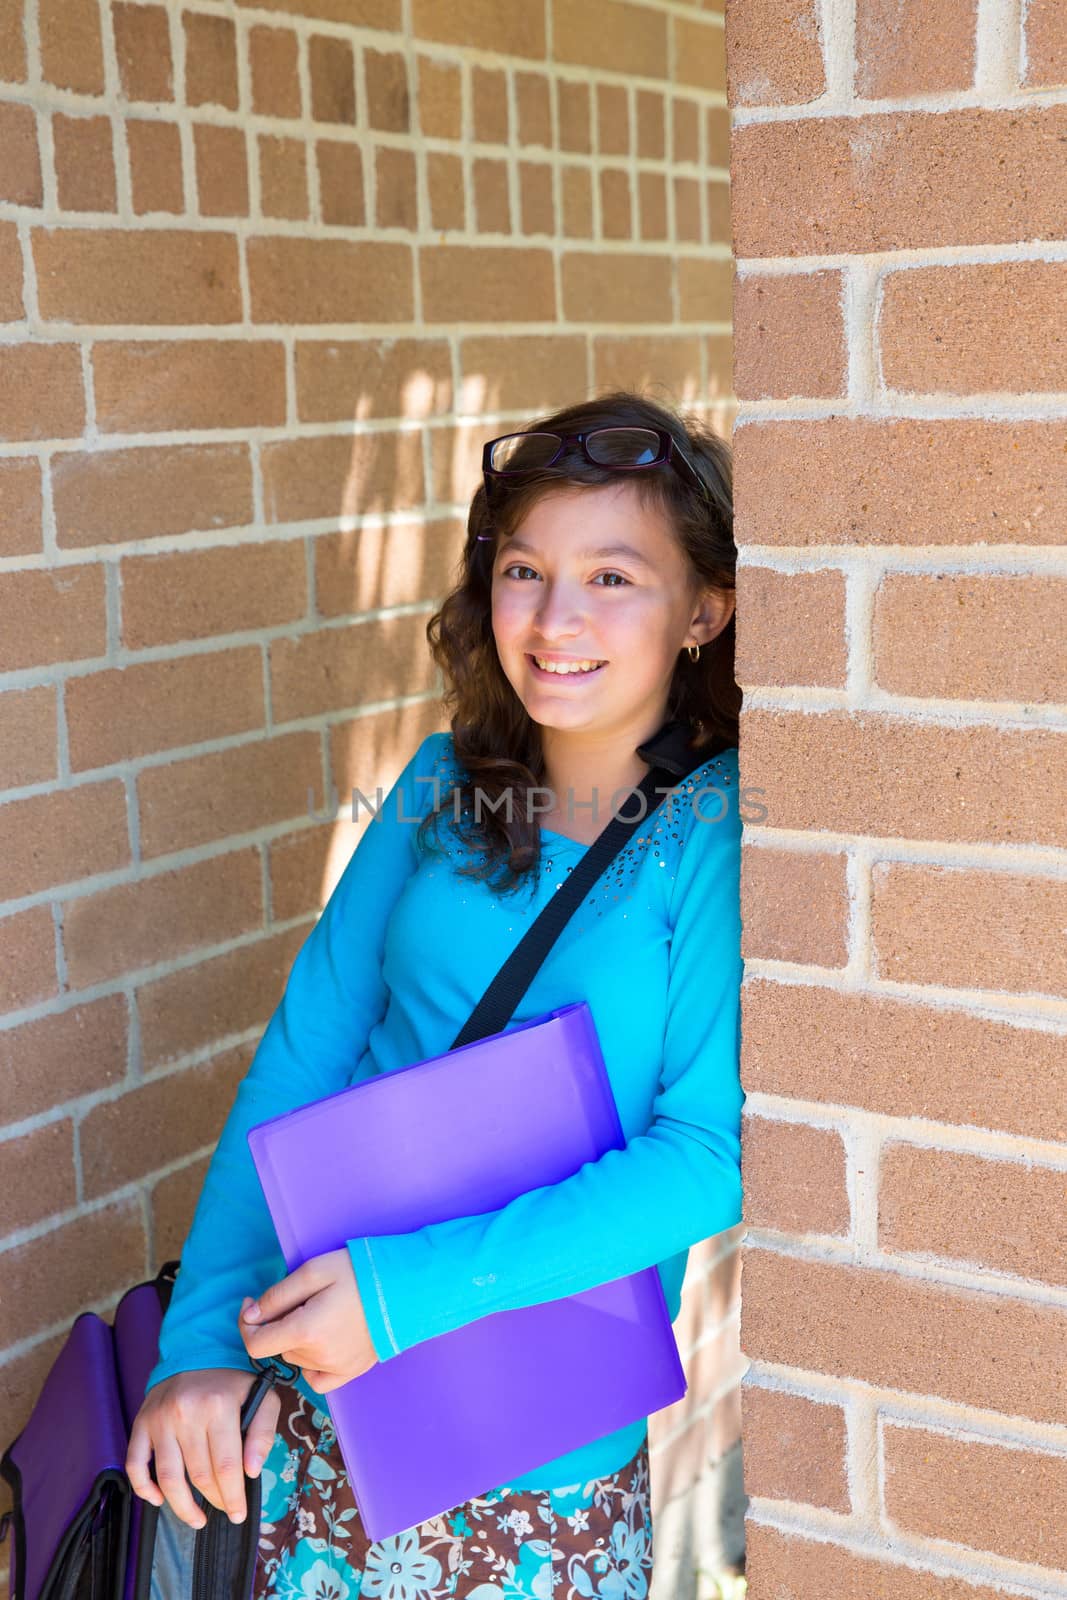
(563, 667)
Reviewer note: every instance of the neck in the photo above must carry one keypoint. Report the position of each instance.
(581, 768)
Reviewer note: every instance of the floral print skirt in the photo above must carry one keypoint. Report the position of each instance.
(587, 1539)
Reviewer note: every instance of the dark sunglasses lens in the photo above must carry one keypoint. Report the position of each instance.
(523, 452)
(624, 447)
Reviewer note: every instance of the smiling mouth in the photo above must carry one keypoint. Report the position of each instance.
(570, 670)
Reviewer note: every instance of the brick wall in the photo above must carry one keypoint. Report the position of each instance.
(268, 276)
(900, 217)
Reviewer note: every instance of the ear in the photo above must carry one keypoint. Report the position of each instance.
(713, 612)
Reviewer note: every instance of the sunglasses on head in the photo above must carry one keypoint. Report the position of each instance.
(617, 449)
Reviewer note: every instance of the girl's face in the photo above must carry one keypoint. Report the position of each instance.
(561, 593)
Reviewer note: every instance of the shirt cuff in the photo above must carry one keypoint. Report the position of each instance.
(375, 1310)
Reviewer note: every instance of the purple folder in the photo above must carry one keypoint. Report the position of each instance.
(453, 1136)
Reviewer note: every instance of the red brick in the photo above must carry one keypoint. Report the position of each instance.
(71, 52)
(906, 47)
(229, 792)
(348, 667)
(85, 163)
(41, 392)
(221, 170)
(794, 1448)
(843, 480)
(174, 1200)
(333, 84)
(789, 336)
(806, 1569)
(104, 275)
(107, 496)
(638, 288)
(352, 13)
(456, 461)
(477, 284)
(283, 182)
(210, 61)
(27, 975)
(611, 37)
(795, 1178)
(901, 1059)
(773, 53)
(340, 168)
(340, 475)
(337, 380)
(142, 44)
(145, 385)
(54, 1277)
(12, 305)
(137, 925)
(20, 506)
(155, 152)
(803, 187)
(370, 750)
(37, 1175)
(12, 45)
(158, 1122)
(306, 867)
(388, 97)
(1046, 45)
(507, 372)
(47, 617)
(992, 1351)
(272, 56)
(61, 1057)
(28, 736)
(156, 705)
(514, 30)
(375, 567)
(20, 174)
(396, 200)
(197, 593)
(329, 280)
(60, 837)
(668, 361)
(796, 906)
(791, 627)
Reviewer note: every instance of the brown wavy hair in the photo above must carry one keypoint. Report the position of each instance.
(497, 744)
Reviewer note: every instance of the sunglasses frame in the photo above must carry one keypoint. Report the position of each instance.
(670, 453)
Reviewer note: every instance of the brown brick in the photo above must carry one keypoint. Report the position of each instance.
(145, 385)
(272, 55)
(677, 1462)
(221, 171)
(773, 52)
(329, 280)
(283, 180)
(720, 367)
(789, 335)
(699, 53)
(375, 567)
(158, 1122)
(12, 307)
(174, 1199)
(578, 202)
(795, 1448)
(638, 288)
(52, 1278)
(71, 52)
(955, 636)
(534, 107)
(720, 216)
(61, 1057)
(136, 925)
(575, 111)
(155, 150)
(20, 173)
(851, 481)
(229, 792)
(349, 667)
(326, 477)
(41, 391)
(795, 1178)
(396, 200)
(48, 617)
(998, 1214)
(967, 329)
(440, 98)
(306, 867)
(803, 187)
(489, 96)
(803, 1569)
(27, 975)
(61, 837)
(535, 198)
(906, 47)
(508, 373)
(104, 497)
(651, 125)
(668, 362)
(704, 290)
(989, 1350)
(337, 380)
(159, 705)
(792, 628)
(195, 594)
(210, 61)
(352, 13)
(224, 995)
(513, 30)
(796, 906)
(142, 44)
(1014, 922)
(388, 96)
(688, 225)
(717, 137)
(616, 209)
(686, 130)
(372, 750)
(20, 506)
(713, 1363)
(491, 206)
(652, 202)
(472, 284)
(12, 48)
(902, 1059)
(611, 37)
(613, 119)
(447, 189)
(993, 784)
(1046, 45)
(979, 1493)
(85, 163)
(456, 461)
(37, 1175)
(28, 736)
(333, 81)
(103, 275)
(340, 183)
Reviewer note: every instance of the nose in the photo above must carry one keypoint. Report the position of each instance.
(559, 612)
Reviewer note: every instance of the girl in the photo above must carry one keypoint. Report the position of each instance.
(589, 637)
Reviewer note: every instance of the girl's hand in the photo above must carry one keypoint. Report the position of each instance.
(192, 1423)
(313, 1318)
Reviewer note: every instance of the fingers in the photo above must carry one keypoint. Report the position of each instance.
(170, 1474)
(283, 1296)
(227, 1466)
(279, 1337)
(137, 1458)
(261, 1430)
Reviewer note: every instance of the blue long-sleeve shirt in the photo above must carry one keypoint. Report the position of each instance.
(403, 951)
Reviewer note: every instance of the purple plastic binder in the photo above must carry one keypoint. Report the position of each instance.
(457, 1135)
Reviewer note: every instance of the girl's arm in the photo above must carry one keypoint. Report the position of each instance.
(673, 1185)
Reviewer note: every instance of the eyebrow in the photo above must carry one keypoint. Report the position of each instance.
(627, 551)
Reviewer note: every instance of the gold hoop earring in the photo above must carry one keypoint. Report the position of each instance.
(690, 648)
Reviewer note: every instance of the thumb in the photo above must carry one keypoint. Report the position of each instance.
(261, 1431)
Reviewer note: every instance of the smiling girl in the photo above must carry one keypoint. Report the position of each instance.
(589, 636)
